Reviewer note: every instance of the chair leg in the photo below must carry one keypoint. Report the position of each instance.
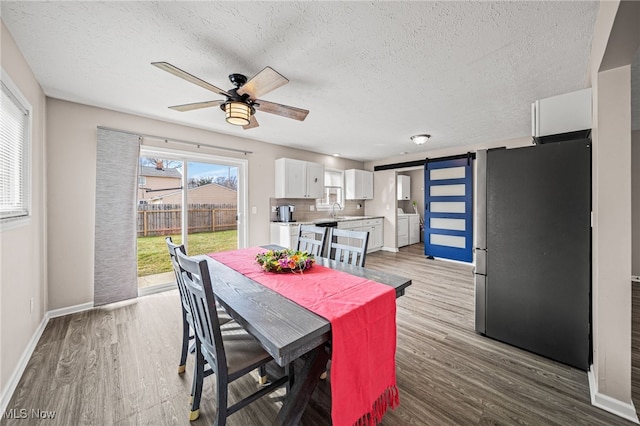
(197, 385)
(221, 391)
(323, 376)
(262, 372)
(185, 343)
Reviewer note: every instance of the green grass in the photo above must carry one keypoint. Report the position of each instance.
(153, 257)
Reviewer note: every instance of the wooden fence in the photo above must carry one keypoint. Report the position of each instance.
(166, 219)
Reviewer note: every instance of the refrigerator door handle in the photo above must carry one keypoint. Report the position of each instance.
(481, 261)
(480, 302)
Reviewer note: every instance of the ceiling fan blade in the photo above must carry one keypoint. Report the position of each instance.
(262, 83)
(283, 110)
(190, 78)
(197, 105)
(252, 123)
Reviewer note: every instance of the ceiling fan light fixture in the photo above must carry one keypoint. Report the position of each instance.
(237, 113)
(420, 139)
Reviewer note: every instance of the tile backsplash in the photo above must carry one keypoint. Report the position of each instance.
(303, 212)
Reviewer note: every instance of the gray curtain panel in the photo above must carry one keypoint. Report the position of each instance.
(115, 273)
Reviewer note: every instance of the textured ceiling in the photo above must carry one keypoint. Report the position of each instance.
(372, 74)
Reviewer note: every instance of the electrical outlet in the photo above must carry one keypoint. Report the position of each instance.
(273, 209)
(312, 208)
(254, 210)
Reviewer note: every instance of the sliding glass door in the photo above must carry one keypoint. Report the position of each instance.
(196, 201)
(212, 213)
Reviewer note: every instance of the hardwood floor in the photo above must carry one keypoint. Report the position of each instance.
(117, 365)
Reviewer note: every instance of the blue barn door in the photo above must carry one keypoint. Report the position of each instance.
(448, 228)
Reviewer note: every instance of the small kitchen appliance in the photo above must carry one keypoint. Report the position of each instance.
(285, 213)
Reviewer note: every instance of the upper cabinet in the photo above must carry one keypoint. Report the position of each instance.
(404, 187)
(358, 184)
(299, 179)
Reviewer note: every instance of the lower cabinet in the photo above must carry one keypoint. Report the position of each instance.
(285, 235)
(373, 226)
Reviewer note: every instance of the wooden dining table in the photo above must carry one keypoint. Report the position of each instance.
(285, 329)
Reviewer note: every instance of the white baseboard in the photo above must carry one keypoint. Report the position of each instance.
(69, 310)
(607, 403)
(390, 249)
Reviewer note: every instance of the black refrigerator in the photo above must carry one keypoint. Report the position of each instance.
(533, 249)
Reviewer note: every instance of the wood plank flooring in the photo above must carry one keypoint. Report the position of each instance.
(117, 365)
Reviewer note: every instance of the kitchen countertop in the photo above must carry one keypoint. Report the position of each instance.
(328, 219)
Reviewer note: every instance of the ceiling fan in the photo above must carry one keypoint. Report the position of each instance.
(242, 101)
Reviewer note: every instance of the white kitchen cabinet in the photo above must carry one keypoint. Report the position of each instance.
(402, 230)
(404, 187)
(376, 235)
(414, 228)
(299, 179)
(373, 226)
(358, 184)
(315, 180)
(350, 225)
(284, 234)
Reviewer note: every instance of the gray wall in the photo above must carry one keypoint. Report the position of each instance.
(23, 259)
(71, 159)
(635, 202)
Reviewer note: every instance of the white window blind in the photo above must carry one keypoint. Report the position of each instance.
(14, 151)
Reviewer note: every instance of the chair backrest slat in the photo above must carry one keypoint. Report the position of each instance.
(197, 281)
(312, 239)
(173, 248)
(348, 246)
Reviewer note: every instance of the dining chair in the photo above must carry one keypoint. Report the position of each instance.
(230, 355)
(348, 246)
(312, 239)
(187, 321)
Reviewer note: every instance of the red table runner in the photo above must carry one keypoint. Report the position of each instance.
(363, 326)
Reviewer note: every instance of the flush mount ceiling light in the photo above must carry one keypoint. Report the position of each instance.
(420, 139)
(237, 113)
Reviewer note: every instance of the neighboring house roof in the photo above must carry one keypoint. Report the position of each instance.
(196, 189)
(152, 171)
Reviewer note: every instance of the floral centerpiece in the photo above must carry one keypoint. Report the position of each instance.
(286, 260)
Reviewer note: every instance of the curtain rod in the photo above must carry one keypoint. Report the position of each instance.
(243, 151)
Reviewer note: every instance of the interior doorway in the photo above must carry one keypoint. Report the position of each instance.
(198, 201)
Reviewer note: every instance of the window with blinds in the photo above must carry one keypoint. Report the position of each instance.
(14, 154)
